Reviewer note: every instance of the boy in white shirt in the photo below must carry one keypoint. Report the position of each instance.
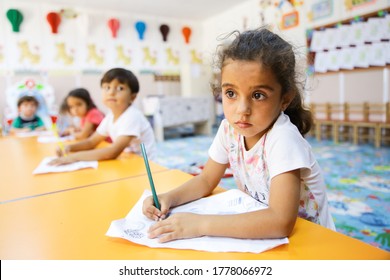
(124, 124)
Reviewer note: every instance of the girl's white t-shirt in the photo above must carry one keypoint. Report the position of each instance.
(280, 150)
(131, 123)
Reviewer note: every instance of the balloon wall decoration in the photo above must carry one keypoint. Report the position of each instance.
(140, 26)
(114, 25)
(54, 20)
(164, 29)
(16, 18)
(186, 33)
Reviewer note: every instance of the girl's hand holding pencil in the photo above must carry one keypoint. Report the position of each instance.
(152, 212)
(62, 151)
(154, 209)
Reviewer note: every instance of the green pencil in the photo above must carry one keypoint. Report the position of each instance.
(155, 199)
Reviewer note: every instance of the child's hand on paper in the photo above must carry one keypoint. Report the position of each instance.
(61, 152)
(177, 226)
(150, 211)
(62, 161)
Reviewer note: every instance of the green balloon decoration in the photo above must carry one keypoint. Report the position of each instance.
(16, 18)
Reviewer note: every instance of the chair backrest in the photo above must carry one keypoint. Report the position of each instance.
(43, 92)
(321, 111)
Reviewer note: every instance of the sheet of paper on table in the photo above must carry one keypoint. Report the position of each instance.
(44, 166)
(33, 133)
(54, 139)
(135, 225)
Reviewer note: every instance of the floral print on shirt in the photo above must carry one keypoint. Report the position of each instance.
(252, 176)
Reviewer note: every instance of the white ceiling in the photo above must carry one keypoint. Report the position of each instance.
(178, 9)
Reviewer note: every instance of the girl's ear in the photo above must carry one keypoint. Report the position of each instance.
(287, 99)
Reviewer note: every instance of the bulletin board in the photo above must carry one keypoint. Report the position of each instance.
(362, 42)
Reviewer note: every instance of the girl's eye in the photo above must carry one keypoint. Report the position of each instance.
(230, 94)
(258, 96)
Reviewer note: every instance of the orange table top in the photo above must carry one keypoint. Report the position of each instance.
(20, 156)
(72, 225)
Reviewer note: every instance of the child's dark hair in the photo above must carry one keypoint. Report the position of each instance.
(277, 55)
(28, 98)
(64, 108)
(124, 76)
(83, 94)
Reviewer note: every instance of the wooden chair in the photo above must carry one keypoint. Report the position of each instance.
(369, 128)
(321, 119)
(340, 130)
(352, 113)
(384, 127)
(327, 117)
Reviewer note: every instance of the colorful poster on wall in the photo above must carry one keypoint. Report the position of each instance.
(290, 20)
(357, 4)
(321, 9)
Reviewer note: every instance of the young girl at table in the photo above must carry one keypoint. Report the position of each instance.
(124, 124)
(262, 141)
(81, 105)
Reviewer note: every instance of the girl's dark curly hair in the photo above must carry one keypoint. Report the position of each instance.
(277, 55)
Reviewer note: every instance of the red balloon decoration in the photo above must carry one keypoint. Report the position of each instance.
(164, 29)
(54, 20)
(114, 25)
(186, 33)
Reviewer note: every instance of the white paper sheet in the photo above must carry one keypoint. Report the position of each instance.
(344, 35)
(317, 41)
(321, 62)
(377, 54)
(346, 59)
(44, 167)
(33, 133)
(54, 139)
(330, 36)
(135, 225)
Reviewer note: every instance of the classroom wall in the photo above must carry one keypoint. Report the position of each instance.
(195, 59)
(361, 84)
(65, 60)
(345, 86)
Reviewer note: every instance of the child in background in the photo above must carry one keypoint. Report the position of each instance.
(65, 121)
(262, 140)
(27, 120)
(81, 105)
(124, 124)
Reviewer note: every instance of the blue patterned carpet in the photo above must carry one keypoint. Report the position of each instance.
(357, 177)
